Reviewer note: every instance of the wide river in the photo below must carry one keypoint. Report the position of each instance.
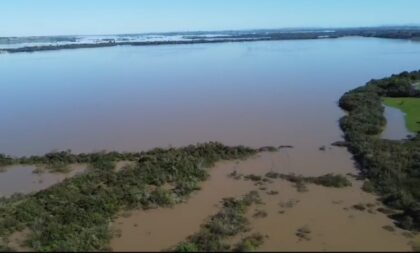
(132, 98)
(256, 94)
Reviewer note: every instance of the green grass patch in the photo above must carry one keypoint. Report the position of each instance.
(410, 106)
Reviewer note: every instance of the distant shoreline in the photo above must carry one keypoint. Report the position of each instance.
(198, 38)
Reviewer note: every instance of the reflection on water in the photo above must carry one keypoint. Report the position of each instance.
(396, 128)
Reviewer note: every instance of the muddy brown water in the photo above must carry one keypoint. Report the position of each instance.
(23, 178)
(254, 94)
(396, 127)
(327, 212)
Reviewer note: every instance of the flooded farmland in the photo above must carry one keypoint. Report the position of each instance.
(328, 212)
(254, 94)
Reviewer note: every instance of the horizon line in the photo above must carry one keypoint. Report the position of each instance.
(416, 26)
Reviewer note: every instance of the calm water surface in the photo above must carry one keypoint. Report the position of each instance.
(261, 93)
(22, 179)
(131, 98)
(396, 127)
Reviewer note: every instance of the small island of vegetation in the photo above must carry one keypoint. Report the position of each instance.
(227, 223)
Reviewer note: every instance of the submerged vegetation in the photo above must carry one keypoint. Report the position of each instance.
(75, 214)
(58, 161)
(6, 160)
(228, 222)
(393, 167)
(328, 180)
(250, 243)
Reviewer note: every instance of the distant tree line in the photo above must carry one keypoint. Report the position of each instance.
(412, 33)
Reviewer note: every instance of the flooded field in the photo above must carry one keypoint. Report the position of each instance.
(396, 128)
(328, 212)
(30, 178)
(254, 94)
(23, 179)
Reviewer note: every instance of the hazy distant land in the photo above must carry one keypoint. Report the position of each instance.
(46, 43)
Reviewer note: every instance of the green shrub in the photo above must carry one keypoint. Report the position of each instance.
(228, 222)
(250, 243)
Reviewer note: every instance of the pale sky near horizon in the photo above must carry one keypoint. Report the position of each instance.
(53, 17)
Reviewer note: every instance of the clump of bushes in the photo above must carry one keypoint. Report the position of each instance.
(304, 233)
(228, 222)
(250, 243)
(272, 175)
(389, 228)
(272, 192)
(328, 180)
(339, 144)
(260, 214)
(253, 177)
(368, 187)
(359, 207)
(268, 149)
(235, 175)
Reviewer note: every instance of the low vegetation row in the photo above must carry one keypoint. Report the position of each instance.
(56, 160)
(61, 158)
(328, 180)
(230, 221)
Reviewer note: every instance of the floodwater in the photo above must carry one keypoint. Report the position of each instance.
(327, 212)
(396, 127)
(255, 94)
(132, 98)
(23, 179)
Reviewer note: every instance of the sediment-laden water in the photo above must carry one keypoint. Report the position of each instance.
(255, 94)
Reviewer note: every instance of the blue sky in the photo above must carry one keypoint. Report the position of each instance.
(55, 17)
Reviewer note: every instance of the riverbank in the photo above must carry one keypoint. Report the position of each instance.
(391, 166)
